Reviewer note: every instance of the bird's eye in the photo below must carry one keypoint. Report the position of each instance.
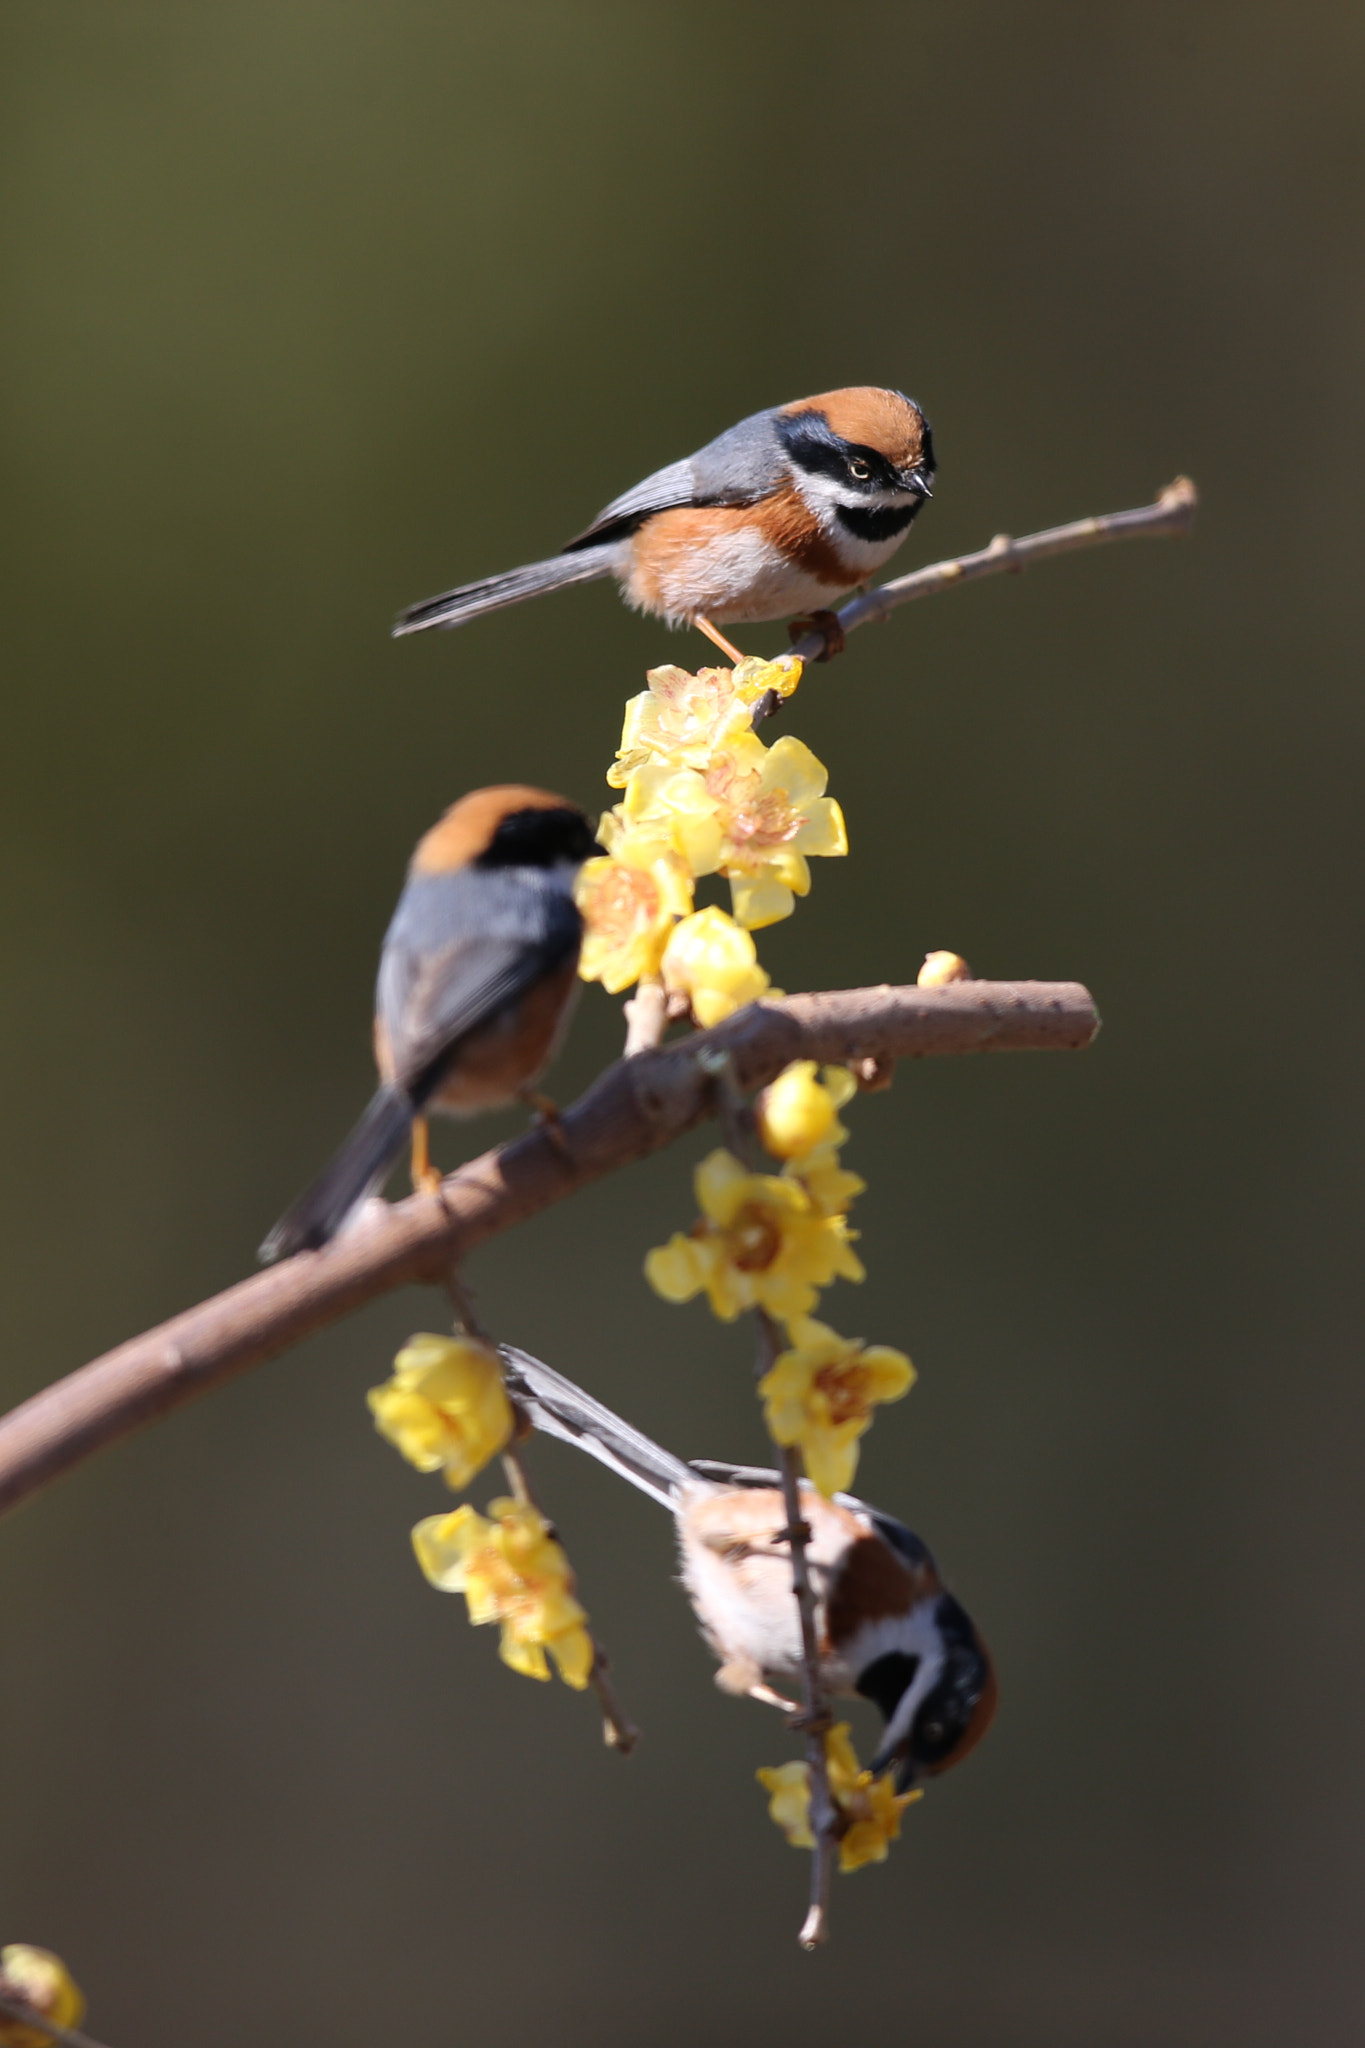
(933, 1731)
(859, 469)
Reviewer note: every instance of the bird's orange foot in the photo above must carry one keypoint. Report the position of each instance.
(826, 624)
(426, 1178)
(717, 638)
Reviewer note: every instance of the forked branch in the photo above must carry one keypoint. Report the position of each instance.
(634, 1108)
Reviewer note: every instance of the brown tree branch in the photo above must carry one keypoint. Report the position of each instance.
(1170, 517)
(646, 1016)
(633, 1109)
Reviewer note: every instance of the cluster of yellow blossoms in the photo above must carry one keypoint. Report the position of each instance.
(869, 1808)
(446, 1410)
(36, 1978)
(511, 1569)
(772, 1241)
(702, 795)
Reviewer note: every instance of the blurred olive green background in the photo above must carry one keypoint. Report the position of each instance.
(312, 310)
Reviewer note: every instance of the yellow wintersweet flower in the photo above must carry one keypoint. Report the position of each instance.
(511, 1570)
(714, 963)
(754, 814)
(446, 1407)
(820, 1394)
(761, 1243)
(869, 1808)
(41, 1980)
(683, 718)
(631, 900)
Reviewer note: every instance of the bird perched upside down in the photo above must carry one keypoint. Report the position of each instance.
(477, 977)
(777, 515)
(887, 1627)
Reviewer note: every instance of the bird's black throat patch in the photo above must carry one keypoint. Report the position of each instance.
(876, 522)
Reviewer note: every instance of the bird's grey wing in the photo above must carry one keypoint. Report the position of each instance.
(903, 1541)
(740, 466)
(458, 950)
(734, 1475)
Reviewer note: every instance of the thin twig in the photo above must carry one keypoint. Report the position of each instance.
(1169, 517)
(19, 2009)
(619, 1732)
(632, 1110)
(815, 1717)
(646, 1016)
(467, 1316)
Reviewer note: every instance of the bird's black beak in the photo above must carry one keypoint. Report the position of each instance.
(898, 1760)
(907, 1777)
(915, 480)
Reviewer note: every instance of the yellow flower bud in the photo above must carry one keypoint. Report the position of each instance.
(797, 1113)
(39, 1979)
(446, 1408)
(756, 676)
(714, 963)
(941, 968)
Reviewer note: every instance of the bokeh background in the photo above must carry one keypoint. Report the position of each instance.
(311, 310)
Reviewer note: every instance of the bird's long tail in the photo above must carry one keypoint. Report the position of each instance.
(357, 1170)
(453, 607)
(561, 1409)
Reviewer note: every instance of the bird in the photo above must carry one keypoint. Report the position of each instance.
(776, 516)
(477, 976)
(888, 1628)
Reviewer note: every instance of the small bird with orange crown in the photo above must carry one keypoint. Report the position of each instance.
(477, 977)
(886, 1625)
(776, 516)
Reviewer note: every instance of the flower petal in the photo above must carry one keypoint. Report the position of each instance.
(722, 1185)
(676, 1270)
(824, 832)
(759, 900)
(791, 766)
(573, 1652)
